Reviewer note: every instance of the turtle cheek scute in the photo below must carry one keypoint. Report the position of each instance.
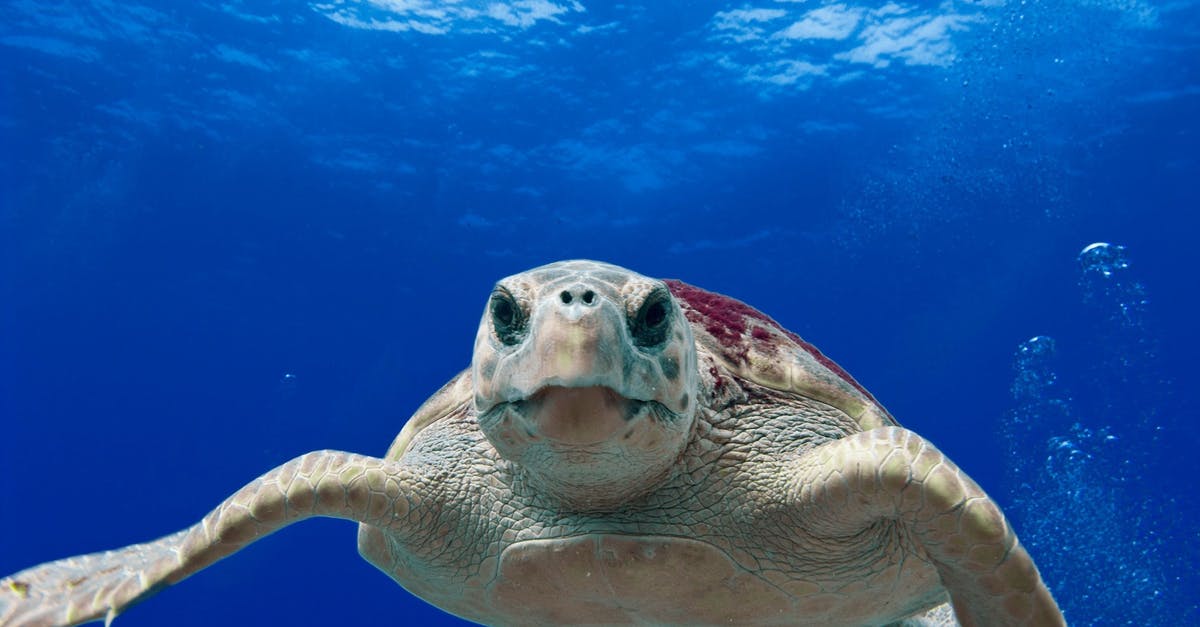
(670, 367)
(485, 361)
(668, 374)
(487, 368)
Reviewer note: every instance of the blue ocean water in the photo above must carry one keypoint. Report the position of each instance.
(233, 232)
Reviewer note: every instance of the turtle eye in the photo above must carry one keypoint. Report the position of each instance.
(506, 317)
(650, 325)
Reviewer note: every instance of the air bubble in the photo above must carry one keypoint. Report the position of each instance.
(1081, 463)
(1107, 285)
(1103, 258)
(1034, 374)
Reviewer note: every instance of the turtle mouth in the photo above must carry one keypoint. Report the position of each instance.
(589, 446)
(578, 415)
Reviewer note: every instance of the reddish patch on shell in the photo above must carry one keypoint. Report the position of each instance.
(725, 319)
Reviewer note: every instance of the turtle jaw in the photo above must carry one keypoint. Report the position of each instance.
(588, 447)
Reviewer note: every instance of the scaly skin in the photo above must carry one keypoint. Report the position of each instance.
(623, 450)
(101, 585)
(896, 474)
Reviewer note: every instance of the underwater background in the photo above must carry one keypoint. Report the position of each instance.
(233, 232)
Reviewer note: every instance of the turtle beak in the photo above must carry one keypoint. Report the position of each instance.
(576, 348)
(576, 359)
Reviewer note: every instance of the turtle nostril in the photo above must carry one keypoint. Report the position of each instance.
(577, 294)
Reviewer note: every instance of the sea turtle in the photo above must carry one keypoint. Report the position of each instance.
(623, 450)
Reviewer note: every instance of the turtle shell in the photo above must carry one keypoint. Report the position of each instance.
(749, 344)
(454, 398)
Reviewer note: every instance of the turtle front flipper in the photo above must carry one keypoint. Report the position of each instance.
(891, 474)
(88, 587)
(101, 585)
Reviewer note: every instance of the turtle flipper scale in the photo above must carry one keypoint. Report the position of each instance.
(99, 586)
(891, 473)
(87, 587)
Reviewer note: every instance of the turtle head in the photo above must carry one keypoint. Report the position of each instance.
(585, 377)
